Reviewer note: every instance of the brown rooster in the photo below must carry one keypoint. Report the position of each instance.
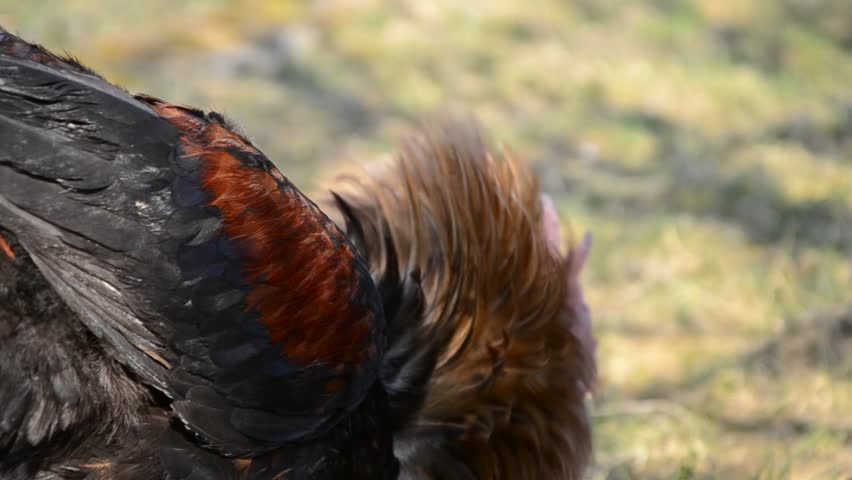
(506, 400)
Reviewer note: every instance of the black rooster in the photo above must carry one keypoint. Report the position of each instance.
(172, 307)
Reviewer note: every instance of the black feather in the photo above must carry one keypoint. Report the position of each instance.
(150, 344)
(412, 352)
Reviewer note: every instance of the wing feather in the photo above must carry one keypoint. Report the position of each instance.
(180, 246)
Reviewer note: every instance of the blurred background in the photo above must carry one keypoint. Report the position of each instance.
(706, 143)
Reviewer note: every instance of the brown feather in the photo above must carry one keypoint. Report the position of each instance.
(6, 249)
(512, 376)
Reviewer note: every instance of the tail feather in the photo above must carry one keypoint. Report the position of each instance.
(506, 397)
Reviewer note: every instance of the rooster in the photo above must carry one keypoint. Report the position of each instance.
(516, 360)
(173, 307)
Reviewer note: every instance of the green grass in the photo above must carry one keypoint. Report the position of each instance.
(707, 144)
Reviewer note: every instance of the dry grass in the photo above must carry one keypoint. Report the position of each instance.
(706, 143)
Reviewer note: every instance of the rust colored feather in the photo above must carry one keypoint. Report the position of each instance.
(6, 249)
(514, 375)
(301, 275)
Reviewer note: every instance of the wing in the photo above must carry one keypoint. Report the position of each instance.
(200, 266)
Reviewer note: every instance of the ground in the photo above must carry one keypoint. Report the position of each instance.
(707, 144)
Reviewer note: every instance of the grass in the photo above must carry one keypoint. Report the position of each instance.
(707, 144)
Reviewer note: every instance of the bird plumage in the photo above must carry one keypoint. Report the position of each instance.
(200, 269)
